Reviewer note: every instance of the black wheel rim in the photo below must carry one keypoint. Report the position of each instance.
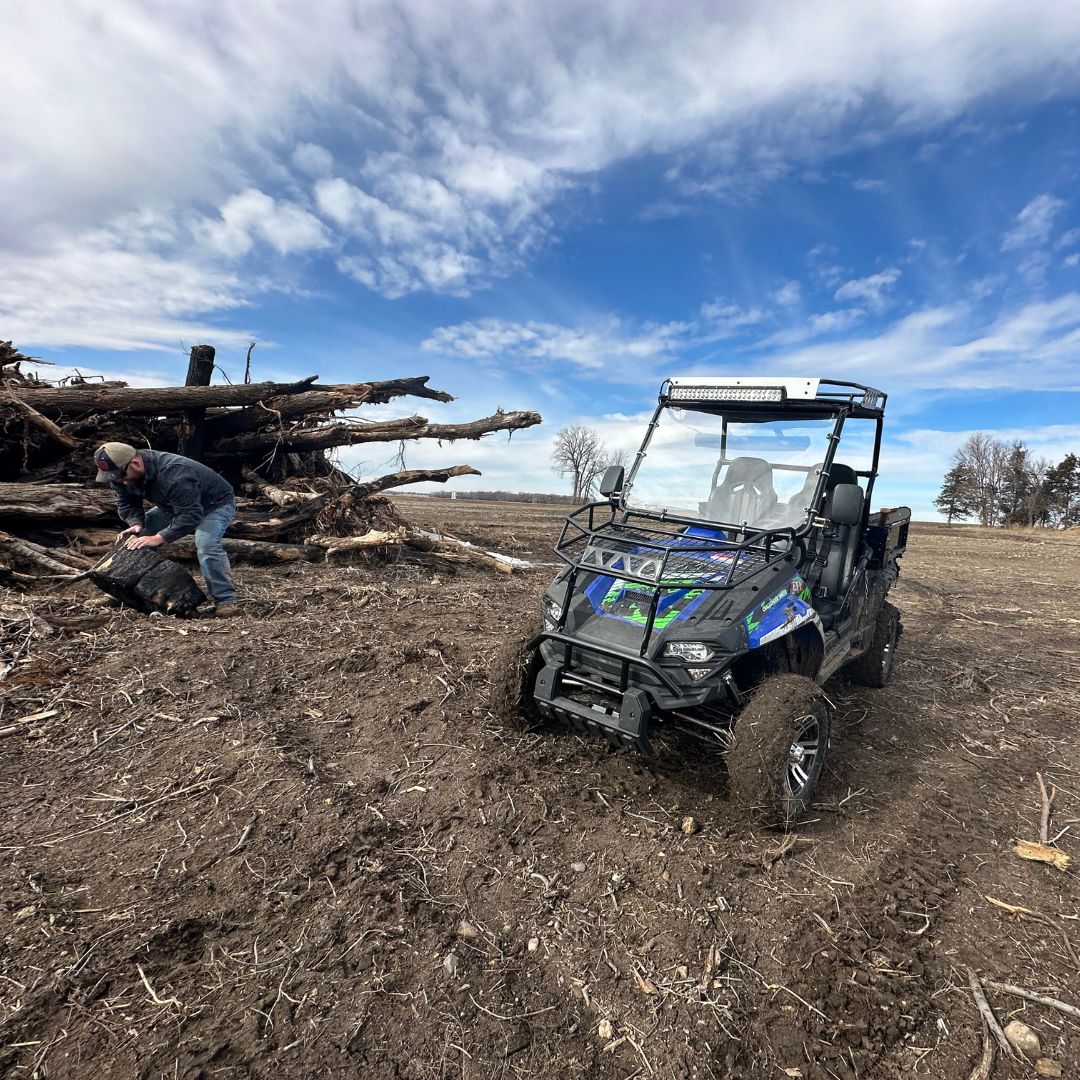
(888, 653)
(803, 756)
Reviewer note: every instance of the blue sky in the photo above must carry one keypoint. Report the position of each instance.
(555, 208)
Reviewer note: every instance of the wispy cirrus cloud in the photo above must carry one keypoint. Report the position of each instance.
(607, 342)
(872, 290)
(1031, 347)
(1034, 223)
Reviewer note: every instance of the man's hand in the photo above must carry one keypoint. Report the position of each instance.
(132, 530)
(152, 541)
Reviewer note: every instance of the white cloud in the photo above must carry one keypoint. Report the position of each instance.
(608, 346)
(1033, 347)
(870, 290)
(724, 318)
(789, 294)
(865, 183)
(289, 229)
(1071, 260)
(313, 160)
(828, 322)
(123, 107)
(1068, 239)
(1034, 223)
(111, 289)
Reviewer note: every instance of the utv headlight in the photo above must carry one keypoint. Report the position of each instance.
(552, 613)
(695, 652)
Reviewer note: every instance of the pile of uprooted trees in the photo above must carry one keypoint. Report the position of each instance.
(272, 441)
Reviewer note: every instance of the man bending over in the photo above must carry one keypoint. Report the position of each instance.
(187, 498)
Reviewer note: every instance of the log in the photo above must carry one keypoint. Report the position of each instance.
(300, 514)
(253, 551)
(16, 552)
(83, 400)
(192, 428)
(43, 422)
(321, 400)
(277, 495)
(326, 438)
(45, 501)
(145, 580)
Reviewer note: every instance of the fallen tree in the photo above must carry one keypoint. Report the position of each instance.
(272, 440)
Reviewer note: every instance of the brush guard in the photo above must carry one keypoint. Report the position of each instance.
(627, 688)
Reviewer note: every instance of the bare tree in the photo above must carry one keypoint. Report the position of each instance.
(986, 458)
(579, 453)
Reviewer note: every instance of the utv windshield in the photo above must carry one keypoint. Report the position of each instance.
(733, 469)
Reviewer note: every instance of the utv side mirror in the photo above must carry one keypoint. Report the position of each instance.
(612, 481)
(845, 504)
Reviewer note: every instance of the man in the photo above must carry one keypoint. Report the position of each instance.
(188, 498)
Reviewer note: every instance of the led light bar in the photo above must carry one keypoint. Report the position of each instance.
(774, 389)
(726, 393)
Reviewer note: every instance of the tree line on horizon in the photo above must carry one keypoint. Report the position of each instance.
(1002, 483)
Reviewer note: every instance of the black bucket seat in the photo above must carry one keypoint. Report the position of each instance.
(745, 495)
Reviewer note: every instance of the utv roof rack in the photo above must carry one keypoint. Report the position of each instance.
(801, 394)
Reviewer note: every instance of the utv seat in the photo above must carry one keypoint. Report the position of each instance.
(844, 547)
(745, 495)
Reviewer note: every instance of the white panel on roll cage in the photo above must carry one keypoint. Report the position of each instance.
(796, 388)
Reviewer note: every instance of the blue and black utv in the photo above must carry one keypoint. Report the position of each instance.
(722, 581)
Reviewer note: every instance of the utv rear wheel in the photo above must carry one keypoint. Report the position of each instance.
(514, 668)
(875, 665)
(781, 738)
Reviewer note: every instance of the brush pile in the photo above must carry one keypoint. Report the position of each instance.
(272, 441)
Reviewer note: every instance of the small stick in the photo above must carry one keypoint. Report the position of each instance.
(108, 738)
(987, 1014)
(1041, 999)
(150, 991)
(1044, 824)
(1038, 916)
(986, 1063)
(245, 834)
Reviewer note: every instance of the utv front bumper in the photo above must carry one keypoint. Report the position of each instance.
(605, 691)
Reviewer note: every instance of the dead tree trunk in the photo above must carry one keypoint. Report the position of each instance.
(57, 501)
(192, 427)
(326, 438)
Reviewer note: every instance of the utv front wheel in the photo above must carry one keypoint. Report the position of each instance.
(781, 738)
(875, 665)
(514, 668)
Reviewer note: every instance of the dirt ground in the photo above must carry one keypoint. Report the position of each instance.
(299, 845)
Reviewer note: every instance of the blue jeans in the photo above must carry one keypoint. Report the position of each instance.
(213, 562)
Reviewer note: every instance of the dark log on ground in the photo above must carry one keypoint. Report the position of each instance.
(251, 551)
(193, 426)
(63, 501)
(145, 580)
(326, 438)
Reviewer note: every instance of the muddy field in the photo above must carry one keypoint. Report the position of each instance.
(299, 845)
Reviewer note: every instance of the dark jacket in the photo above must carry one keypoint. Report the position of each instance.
(186, 490)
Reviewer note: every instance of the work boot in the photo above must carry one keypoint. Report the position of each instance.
(226, 611)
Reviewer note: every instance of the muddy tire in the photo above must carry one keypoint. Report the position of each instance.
(514, 668)
(875, 665)
(781, 738)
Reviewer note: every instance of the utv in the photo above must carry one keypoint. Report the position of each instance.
(725, 579)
